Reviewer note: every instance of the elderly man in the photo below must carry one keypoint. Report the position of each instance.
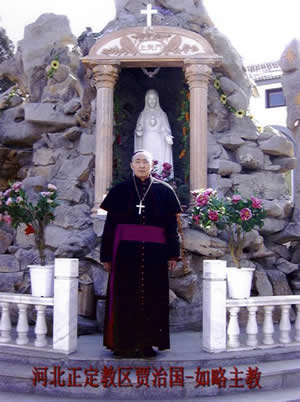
(139, 243)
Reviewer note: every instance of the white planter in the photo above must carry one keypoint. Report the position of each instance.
(42, 280)
(239, 282)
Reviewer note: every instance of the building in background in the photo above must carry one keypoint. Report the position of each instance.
(268, 103)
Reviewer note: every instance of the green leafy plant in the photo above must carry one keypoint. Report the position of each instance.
(17, 209)
(233, 214)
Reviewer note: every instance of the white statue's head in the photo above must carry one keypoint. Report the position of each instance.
(151, 99)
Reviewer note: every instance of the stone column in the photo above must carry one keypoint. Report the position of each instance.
(197, 76)
(65, 308)
(105, 78)
(214, 306)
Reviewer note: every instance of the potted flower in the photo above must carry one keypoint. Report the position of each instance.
(15, 209)
(236, 216)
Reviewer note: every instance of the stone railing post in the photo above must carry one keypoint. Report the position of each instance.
(197, 76)
(65, 304)
(214, 306)
(105, 77)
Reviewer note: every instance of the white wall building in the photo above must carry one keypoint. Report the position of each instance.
(268, 105)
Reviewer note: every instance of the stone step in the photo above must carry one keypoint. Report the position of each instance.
(283, 395)
(185, 352)
(276, 375)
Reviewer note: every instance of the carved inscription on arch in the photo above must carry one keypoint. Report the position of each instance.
(151, 43)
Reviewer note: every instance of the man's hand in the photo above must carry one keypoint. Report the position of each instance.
(107, 266)
(172, 264)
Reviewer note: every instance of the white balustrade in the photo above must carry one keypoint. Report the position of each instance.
(64, 305)
(216, 305)
(297, 324)
(5, 325)
(22, 326)
(252, 329)
(233, 330)
(285, 325)
(268, 327)
(40, 327)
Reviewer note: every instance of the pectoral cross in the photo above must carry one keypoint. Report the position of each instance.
(140, 206)
(149, 12)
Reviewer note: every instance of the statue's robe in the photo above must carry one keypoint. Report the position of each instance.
(137, 305)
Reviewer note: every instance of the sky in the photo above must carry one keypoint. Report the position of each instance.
(258, 29)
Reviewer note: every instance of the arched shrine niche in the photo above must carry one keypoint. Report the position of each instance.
(154, 46)
(129, 102)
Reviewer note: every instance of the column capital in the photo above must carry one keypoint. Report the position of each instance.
(105, 75)
(197, 74)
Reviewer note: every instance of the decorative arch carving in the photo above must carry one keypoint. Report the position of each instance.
(166, 46)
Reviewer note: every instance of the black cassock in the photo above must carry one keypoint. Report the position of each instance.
(137, 305)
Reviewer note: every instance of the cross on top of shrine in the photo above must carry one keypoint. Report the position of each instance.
(149, 12)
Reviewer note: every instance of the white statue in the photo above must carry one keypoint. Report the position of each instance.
(153, 132)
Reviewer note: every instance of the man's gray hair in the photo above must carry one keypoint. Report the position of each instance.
(147, 154)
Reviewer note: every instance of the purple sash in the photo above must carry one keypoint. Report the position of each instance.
(147, 233)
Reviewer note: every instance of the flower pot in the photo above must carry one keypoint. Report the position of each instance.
(239, 282)
(42, 280)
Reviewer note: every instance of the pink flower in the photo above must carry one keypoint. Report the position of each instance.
(7, 219)
(245, 214)
(19, 200)
(256, 202)
(155, 162)
(9, 201)
(213, 216)
(202, 200)
(167, 166)
(16, 186)
(45, 193)
(52, 187)
(208, 192)
(236, 198)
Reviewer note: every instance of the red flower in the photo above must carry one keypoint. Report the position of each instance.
(245, 214)
(213, 216)
(256, 203)
(196, 218)
(29, 229)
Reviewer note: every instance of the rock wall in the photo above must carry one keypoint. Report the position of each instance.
(47, 134)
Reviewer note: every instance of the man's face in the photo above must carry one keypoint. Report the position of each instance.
(141, 166)
(152, 100)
